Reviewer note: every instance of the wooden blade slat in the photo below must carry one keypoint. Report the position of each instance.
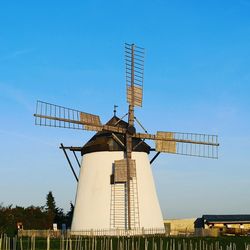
(137, 95)
(120, 170)
(165, 146)
(90, 119)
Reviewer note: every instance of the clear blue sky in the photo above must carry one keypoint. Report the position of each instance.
(197, 79)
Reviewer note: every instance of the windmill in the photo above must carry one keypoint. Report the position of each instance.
(116, 188)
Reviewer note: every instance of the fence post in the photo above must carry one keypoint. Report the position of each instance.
(14, 242)
(48, 242)
(1, 242)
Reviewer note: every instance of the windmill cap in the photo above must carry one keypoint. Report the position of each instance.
(105, 141)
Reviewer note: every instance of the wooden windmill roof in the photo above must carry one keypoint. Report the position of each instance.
(105, 141)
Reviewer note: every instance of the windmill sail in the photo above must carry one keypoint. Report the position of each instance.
(52, 115)
(192, 144)
(134, 60)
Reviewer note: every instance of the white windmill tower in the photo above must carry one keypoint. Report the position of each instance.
(116, 188)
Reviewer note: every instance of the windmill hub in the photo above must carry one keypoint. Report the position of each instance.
(131, 130)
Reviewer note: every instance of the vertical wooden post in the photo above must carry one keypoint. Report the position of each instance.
(129, 137)
(48, 242)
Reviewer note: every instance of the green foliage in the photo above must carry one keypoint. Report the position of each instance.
(33, 217)
(69, 215)
(55, 214)
(50, 203)
(51, 209)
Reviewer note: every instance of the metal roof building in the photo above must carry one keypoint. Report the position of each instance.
(214, 225)
(227, 219)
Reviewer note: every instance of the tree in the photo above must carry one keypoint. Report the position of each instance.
(32, 217)
(50, 202)
(54, 214)
(69, 215)
(51, 209)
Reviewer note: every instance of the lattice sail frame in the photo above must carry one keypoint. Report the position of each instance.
(48, 114)
(134, 62)
(192, 144)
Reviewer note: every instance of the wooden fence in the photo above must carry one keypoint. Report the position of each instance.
(99, 232)
(121, 243)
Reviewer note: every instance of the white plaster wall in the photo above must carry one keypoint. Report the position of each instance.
(92, 205)
(149, 208)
